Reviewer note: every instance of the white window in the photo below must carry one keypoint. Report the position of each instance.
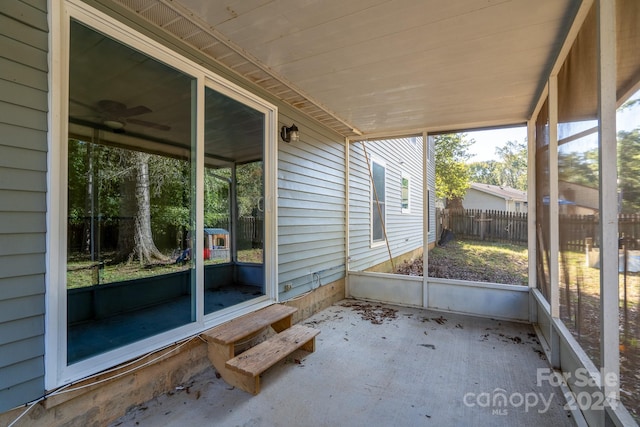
(405, 193)
(378, 202)
(150, 167)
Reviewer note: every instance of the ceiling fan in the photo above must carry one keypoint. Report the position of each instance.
(115, 115)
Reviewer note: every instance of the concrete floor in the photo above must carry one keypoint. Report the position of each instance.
(382, 365)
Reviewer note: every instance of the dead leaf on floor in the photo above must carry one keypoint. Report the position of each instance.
(439, 320)
(375, 314)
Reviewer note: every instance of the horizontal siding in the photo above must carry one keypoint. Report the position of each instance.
(17, 287)
(14, 396)
(21, 308)
(14, 331)
(23, 95)
(28, 13)
(23, 180)
(22, 222)
(23, 53)
(23, 116)
(22, 201)
(19, 351)
(404, 230)
(22, 265)
(20, 244)
(431, 183)
(22, 74)
(16, 136)
(13, 372)
(311, 210)
(18, 158)
(37, 4)
(23, 186)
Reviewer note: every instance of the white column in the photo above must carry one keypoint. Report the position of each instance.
(531, 213)
(347, 171)
(554, 228)
(425, 219)
(609, 339)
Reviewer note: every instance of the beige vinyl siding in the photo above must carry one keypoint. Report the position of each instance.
(23, 166)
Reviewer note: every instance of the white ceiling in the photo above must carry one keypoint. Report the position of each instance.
(381, 66)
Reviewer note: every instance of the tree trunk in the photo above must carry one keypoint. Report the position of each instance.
(454, 203)
(145, 249)
(135, 241)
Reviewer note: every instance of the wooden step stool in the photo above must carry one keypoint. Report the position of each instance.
(243, 370)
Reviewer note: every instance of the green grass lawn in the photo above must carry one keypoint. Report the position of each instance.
(82, 272)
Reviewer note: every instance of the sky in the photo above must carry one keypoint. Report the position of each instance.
(488, 140)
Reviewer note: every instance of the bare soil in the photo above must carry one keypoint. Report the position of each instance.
(475, 261)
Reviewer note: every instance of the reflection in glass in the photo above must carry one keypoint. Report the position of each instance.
(542, 200)
(578, 191)
(628, 124)
(234, 202)
(130, 196)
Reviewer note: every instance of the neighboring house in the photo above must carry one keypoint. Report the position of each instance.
(577, 199)
(495, 197)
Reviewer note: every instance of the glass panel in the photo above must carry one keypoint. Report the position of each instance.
(405, 194)
(629, 257)
(234, 202)
(378, 202)
(130, 196)
(628, 124)
(542, 200)
(578, 192)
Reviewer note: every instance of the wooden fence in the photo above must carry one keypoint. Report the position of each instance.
(576, 231)
(250, 233)
(486, 225)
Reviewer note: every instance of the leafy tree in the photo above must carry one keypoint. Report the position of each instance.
(629, 170)
(513, 165)
(249, 177)
(485, 172)
(509, 170)
(217, 193)
(579, 167)
(452, 172)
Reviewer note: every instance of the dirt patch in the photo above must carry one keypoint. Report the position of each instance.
(476, 263)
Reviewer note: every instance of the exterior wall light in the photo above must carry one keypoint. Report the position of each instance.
(289, 134)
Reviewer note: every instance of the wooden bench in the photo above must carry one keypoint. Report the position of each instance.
(243, 370)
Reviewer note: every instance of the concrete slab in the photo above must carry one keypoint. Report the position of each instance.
(382, 365)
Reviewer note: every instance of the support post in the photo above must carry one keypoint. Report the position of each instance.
(607, 146)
